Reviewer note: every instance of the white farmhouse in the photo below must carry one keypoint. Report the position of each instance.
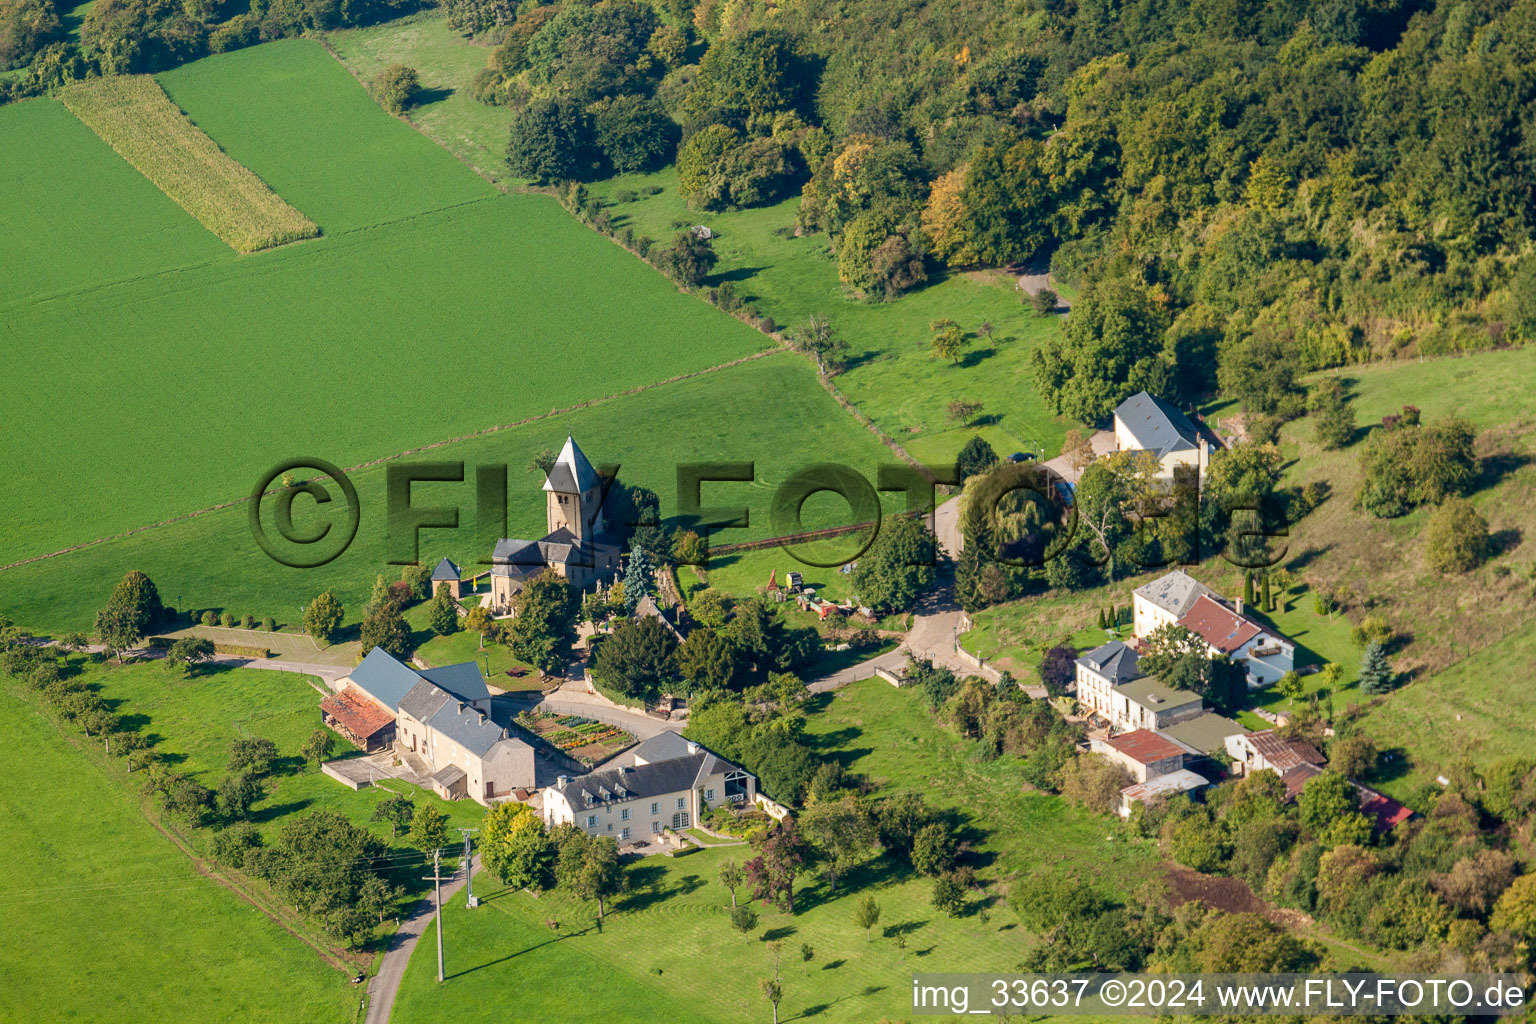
(1146, 423)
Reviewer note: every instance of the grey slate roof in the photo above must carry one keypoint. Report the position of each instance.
(571, 473)
(517, 552)
(384, 678)
(467, 727)
(463, 680)
(445, 570)
(643, 781)
(1114, 661)
(449, 776)
(1176, 592)
(424, 701)
(1156, 425)
(555, 548)
(662, 747)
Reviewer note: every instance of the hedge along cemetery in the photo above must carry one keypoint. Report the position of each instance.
(419, 314)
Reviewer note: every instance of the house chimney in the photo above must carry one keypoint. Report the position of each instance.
(1239, 606)
(562, 781)
(693, 748)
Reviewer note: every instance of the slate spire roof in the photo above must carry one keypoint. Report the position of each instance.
(571, 473)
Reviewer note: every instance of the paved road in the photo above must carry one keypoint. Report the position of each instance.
(383, 986)
(936, 621)
(330, 673)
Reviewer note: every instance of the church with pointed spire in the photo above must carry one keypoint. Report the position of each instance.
(577, 545)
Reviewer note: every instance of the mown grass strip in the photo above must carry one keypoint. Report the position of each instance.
(132, 114)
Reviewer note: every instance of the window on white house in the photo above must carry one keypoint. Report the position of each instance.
(655, 806)
(624, 834)
(591, 821)
(682, 802)
(624, 815)
(656, 828)
(709, 795)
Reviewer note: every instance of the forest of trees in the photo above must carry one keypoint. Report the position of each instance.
(1241, 192)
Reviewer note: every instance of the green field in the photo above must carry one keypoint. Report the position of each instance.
(353, 346)
(133, 115)
(892, 378)
(56, 243)
(196, 718)
(212, 562)
(293, 115)
(109, 921)
(446, 110)
(673, 924)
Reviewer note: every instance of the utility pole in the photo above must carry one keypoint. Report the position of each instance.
(469, 870)
(437, 880)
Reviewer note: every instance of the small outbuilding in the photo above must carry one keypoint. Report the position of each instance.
(446, 575)
(1171, 784)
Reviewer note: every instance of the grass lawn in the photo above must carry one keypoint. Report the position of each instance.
(110, 922)
(892, 375)
(675, 915)
(890, 736)
(195, 719)
(893, 379)
(352, 346)
(1473, 711)
(494, 659)
(132, 114)
(57, 243)
(447, 63)
(291, 113)
(212, 562)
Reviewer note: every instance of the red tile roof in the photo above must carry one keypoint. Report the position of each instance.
(1218, 625)
(356, 713)
(1386, 812)
(1145, 746)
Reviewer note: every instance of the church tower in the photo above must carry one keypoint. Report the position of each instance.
(574, 493)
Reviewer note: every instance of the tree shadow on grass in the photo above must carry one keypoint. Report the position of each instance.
(274, 811)
(976, 356)
(424, 97)
(647, 888)
(521, 952)
(737, 274)
(1392, 763)
(775, 934)
(837, 738)
(1502, 542)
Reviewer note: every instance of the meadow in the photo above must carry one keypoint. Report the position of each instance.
(195, 719)
(294, 116)
(648, 955)
(446, 111)
(58, 243)
(132, 115)
(109, 921)
(354, 346)
(891, 376)
(211, 561)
